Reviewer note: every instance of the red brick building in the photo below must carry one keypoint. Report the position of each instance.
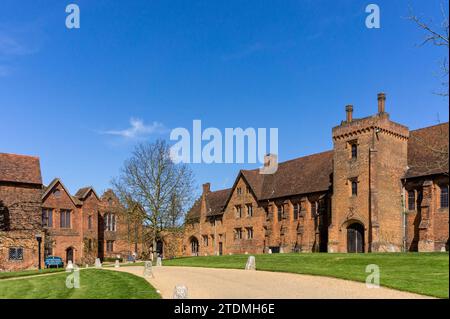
(78, 227)
(381, 188)
(20, 211)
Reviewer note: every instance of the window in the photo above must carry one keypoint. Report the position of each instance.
(354, 187)
(280, 212)
(205, 240)
(238, 233)
(444, 196)
(48, 249)
(249, 233)
(47, 217)
(90, 246)
(110, 245)
(238, 211)
(110, 222)
(239, 191)
(57, 193)
(16, 254)
(65, 218)
(247, 189)
(411, 200)
(90, 221)
(249, 210)
(313, 209)
(296, 211)
(354, 150)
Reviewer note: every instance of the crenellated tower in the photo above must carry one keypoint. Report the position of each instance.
(370, 158)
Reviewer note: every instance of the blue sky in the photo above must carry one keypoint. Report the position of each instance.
(67, 96)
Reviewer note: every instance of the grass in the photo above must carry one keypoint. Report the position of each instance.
(24, 273)
(94, 284)
(422, 273)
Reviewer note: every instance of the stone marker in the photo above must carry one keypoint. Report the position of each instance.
(281, 250)
(269, 251)
(87, 266)
(98, 263)
(443, 249)
(180, 292)
(69, 266)
(251, 263)
(148, 271)
(158, 261)
(117, 264)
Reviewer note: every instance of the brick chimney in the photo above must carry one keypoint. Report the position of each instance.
(381, 103)
(349, 111)
(206, 188)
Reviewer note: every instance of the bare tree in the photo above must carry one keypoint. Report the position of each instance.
(150, 179)
(438, 35)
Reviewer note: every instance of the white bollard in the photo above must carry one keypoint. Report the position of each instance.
(251, 263)
(98, 263)
(180, 292)
(69, 266)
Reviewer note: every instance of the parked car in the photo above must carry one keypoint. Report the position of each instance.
(53, 261)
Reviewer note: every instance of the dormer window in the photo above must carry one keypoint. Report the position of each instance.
(57, 193)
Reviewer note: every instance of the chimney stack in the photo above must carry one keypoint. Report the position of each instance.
(349, 111)
(381, 103)
(206, 188)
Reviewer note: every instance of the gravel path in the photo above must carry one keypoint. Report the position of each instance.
(212, 283)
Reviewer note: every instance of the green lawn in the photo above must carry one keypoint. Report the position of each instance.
(94, 284)
(423, 273)
(24, 273)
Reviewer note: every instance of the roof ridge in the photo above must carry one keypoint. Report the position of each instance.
(428, 127)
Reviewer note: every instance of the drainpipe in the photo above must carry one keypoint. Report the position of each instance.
(404, 216)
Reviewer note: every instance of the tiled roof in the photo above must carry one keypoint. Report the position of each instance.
(55, 182)
(428, 151)
(215, 202)
(303, 175)
(20, 169)
(84, 191)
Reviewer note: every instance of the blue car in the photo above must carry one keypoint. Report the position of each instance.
(53, 261)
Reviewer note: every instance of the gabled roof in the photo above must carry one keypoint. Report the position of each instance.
(428, 151)
(51, 186)
(83, 192)
(215, 204)
(303, 175)
(20, 169)
(215, 201)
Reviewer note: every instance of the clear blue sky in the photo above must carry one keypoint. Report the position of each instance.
(293, 65)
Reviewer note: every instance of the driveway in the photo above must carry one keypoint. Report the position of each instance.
(213, 283)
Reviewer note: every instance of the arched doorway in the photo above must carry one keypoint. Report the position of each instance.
(194, 246)
(160, 247)
(69, 255)
(355, 238)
